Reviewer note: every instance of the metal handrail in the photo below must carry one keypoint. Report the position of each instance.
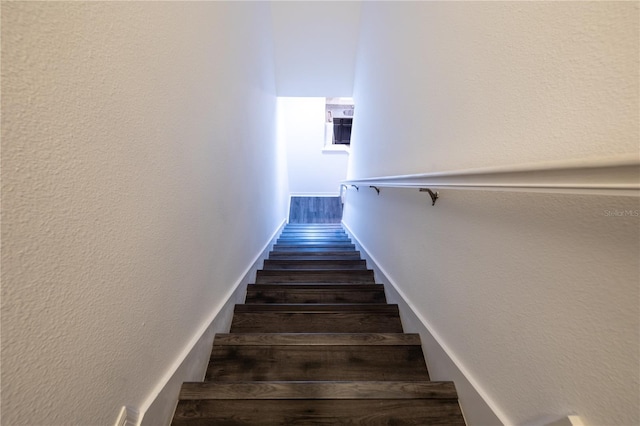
(618, 175)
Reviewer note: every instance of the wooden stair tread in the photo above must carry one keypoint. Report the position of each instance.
(319, 390)
(356, 272)
(334, 234)
(318, 243)
(296, 265)
(312, 339)
(303, 244)
(317, 276)
(315, 293)
(337, 284)
(316, 322)
(278, 248)
(317, 308)
(313, 240)
(316, 286)
(369, 412)
(309, 255)
(311, 235)
(317, 363)
(314, 232)
(314, 225)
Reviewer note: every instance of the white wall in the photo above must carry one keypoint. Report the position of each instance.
(134, 192)
(315, 46)
(478, 85)
(534, 295)
(313, 171)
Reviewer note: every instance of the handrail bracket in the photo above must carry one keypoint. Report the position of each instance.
(434, 195)
(376, 188)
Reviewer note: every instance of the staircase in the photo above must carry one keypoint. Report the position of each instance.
(316, 343)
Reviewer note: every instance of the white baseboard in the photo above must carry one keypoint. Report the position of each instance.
(129, 416)
(191, 364)
(567, 421)
(477, 407)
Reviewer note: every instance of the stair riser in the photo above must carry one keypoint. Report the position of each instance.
(313, 256)
(383, 308)
(337, 246)
(315, 279)
(317, 339)
(356, 276)
(329, 231)
(311, 241)
(314, 238)
(291, 322)
(311, 267)
(314, 233)
(315, 412)
(327, 390)
(296, 237)
(313, 226)
(304, 235)
(334, 231)
(315, 296)
(315, 243)
(278, 265)
(277, 248)
(299, 363)
(321, 244)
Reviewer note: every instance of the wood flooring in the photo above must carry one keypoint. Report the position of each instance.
(315, 210)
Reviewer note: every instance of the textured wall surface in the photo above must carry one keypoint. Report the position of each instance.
(315, 47)
(470, 85)
(139, 177)
(302, 127)
(535, 294)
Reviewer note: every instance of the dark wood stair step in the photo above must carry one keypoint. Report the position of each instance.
(307, 234)
(312, 241)
(315, 246)
(381, 308)
(279, 249)
(317, 242)
(313, 235)
(349, 276)
(280, 265)
(321, 226)
(273, 390)
(316, 318)
(315, 293)
(313, 232)
(366, 412)
(304, 231)
(318, 362)
(312, 339)
(310, 255)
(337, 284)
(313, 225)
